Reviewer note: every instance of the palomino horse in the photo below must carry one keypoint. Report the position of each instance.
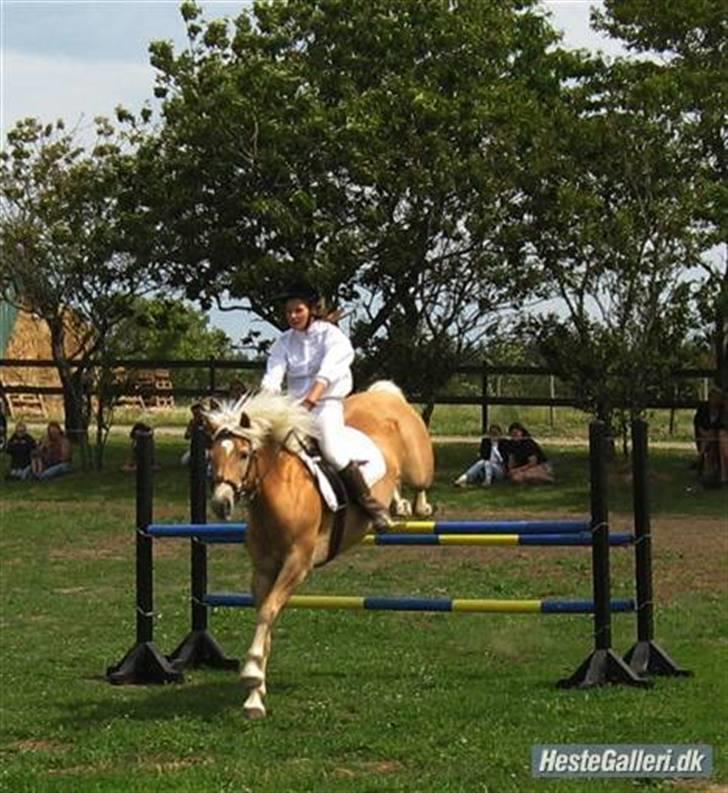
(289, 526)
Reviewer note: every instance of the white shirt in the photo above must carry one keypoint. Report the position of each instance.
(321, 352)
(495, 455)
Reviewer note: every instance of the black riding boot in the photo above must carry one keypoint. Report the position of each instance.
(358, 492)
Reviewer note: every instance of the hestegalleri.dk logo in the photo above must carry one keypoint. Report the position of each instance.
(622, 760)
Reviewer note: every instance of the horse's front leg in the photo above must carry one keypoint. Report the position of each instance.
(293, 571)
(253, 672)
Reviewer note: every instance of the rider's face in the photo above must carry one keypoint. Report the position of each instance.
(298, 313)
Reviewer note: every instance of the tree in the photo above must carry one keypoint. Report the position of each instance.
(687, 43)
(63, 247)
(370, 146)
(613, 225)
(164, 328)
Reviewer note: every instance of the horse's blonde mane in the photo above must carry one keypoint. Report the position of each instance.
(273, 417)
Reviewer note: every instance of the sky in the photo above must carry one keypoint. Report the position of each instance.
(78, 59)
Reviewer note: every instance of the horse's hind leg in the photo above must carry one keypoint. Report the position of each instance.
(400, 506)
(423, 508)
(293, 571)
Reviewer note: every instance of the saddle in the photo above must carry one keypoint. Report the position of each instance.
(331, 485)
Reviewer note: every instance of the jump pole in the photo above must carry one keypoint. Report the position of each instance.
(199, 647)
(646, 657)
(603, 665)
(144, 663)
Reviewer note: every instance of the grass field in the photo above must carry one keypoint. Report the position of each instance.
(358, 701)
(460, 420)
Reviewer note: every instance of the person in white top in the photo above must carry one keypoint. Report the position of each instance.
(314, 357)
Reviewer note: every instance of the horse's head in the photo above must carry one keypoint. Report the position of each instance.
(232, 459)
(239, 432)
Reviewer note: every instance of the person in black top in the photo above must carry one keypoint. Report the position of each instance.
(197, 420)
(491, 465)
(710, 424)
(20, 447)
(138, 429)
(526, 460)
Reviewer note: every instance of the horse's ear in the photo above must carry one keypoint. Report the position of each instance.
(244, 421)
(208, 424)
(214, 404)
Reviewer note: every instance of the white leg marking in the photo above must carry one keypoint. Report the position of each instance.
(400, 506)
(422, 507)
(254, 708)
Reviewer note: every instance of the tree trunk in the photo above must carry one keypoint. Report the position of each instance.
(75, 400)
(721, 334)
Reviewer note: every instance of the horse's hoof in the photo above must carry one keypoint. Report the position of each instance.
(252, 674)
(254, 707)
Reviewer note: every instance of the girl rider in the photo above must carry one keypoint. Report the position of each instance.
(315, 358)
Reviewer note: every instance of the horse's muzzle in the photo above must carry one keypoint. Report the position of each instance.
(223, 500)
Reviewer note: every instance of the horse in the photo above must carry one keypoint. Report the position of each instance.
(254, 457)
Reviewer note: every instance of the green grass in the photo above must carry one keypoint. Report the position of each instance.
(358, 701)
(543, 422)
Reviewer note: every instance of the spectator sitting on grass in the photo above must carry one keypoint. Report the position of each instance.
(20, 446)
(52, 458)
(526, 460)
(491, 466)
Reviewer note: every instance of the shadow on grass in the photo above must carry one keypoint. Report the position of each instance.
(199, 701)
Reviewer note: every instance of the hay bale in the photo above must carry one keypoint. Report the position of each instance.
(30, 339)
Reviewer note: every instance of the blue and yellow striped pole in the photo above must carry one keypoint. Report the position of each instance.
(235, 533)
(375, 603)
(440, 528)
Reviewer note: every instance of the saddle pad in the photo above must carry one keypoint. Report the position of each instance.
(363, 451)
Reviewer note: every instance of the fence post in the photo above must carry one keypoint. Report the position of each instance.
(645, 657)
(144, 663)
(552, 394)
(603, 665)
(484, 399)
(213, 378)
(199, 647)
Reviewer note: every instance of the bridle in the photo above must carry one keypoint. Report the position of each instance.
(240, 489)
(252, 470)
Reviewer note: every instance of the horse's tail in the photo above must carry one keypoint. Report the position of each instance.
(386, 387)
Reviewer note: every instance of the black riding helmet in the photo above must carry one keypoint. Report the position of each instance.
(300, 290)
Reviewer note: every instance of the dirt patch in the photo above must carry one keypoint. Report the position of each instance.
(33, 745)
(367, 769)
(690, 554)
(117, 548)
(159, 765)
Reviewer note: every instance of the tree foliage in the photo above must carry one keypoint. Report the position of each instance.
(614, 223)
(64, 246)
(370, 146)
(689, 74)
(168, 329)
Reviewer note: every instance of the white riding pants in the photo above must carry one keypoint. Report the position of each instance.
(329, 414)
